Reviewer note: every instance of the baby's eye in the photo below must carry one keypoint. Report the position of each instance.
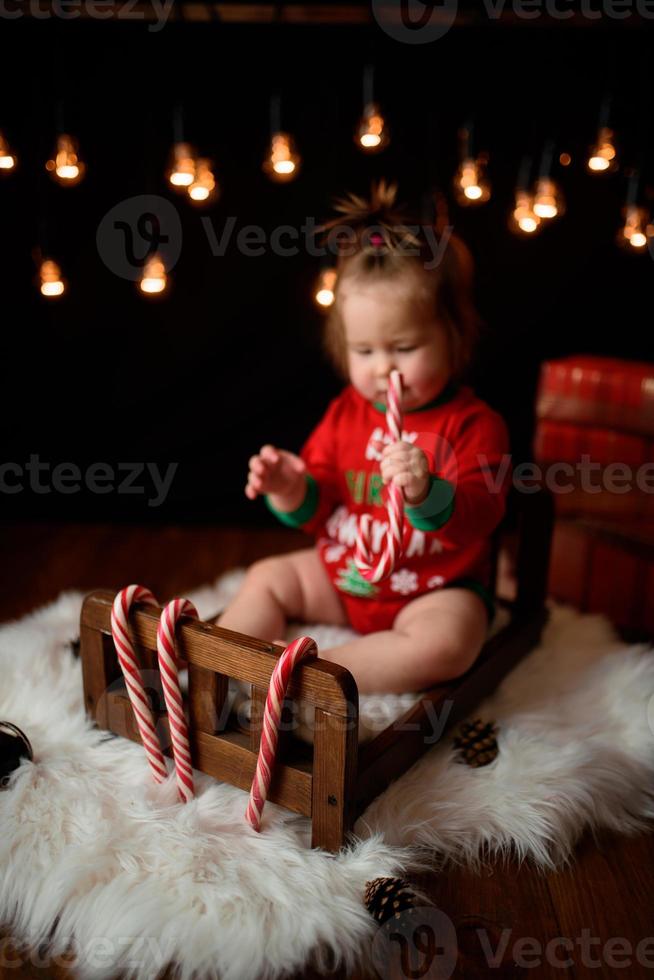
(363, 350)
(404, 350)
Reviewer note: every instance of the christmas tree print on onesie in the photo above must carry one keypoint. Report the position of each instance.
(350, 580)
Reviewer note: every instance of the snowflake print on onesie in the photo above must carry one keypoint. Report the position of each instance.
(435, 582)
(404, 581)
(335, 552)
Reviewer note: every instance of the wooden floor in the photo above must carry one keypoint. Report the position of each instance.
(596, 916)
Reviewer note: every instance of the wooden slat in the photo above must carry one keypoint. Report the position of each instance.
(334, 778)
(207, 699)
(319, 682)
(225, 757)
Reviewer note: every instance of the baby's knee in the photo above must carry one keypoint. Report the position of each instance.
(275, 574)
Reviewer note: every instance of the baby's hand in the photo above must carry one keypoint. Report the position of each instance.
(274, 471)
(407, 467)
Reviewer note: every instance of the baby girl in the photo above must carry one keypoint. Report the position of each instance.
(426, 622)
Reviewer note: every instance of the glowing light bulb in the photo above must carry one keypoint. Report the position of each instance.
(182, 172)
(372, 132)
(603, 154)
(324, 295)
(524, 218)
(634, 231)
(66, 167)
(469, 183)
(283, 162)
(7, 158)
(154, 280)
(547, 203)
(204, 186)
(52, 285)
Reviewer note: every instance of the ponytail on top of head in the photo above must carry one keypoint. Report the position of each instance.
(377, 241)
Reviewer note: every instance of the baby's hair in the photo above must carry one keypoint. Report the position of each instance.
(384, 243)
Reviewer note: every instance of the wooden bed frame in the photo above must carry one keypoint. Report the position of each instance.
(334, 780)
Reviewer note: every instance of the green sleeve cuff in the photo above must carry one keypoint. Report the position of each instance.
(306, 510)
(436, 509)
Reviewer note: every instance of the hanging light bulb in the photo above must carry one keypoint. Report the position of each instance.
(204, 185)
(324, 295)
(524, 217)
(66, 167)
(182, 171)
(154, 279)
(634, 230)
(7, 158)
(372, 132)
(603, 154)
(546, 199)
(470, 185)
(52, 285)
(283, 162)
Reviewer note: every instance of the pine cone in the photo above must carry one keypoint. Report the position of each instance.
(388, 897)
(477, 743)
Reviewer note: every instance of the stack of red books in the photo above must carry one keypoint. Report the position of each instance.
(594, 442)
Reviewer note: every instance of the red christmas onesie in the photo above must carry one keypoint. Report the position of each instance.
(446, 538)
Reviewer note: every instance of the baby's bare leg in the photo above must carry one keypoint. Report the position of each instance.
(293, 586)
(434, 638)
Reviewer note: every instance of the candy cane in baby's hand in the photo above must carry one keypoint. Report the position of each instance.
(169, 667)
(130, 668)
(371, 569)
(304, 646)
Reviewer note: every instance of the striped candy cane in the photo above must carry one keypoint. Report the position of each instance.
(131, 672)
(303, 647)
(169, 668)
(375, 569)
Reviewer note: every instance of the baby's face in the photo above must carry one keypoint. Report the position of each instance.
(382, 334)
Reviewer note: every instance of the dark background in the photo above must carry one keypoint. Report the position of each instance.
(231, 358)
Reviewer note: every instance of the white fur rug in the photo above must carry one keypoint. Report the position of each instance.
(96, 859)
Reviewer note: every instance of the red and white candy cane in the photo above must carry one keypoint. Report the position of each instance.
(131, 672)
(375, 569)
(169, 667)
(303, 647)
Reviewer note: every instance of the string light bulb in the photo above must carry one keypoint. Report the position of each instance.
(66, 166)
(470, 184)
(372, 132)
(182, 171)
(603, 154)
(634, 230)
(7, 158)
(52, 285)
(524, 217)
(154, 280)
(546, 199)
(204, 184)
(324, 295)
(283, 162)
